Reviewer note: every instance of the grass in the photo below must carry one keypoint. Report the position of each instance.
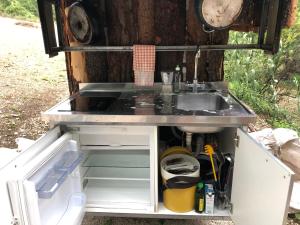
(22, 9)
(269, 84)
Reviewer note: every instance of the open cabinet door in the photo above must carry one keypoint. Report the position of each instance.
(261, 187)
(45, 189)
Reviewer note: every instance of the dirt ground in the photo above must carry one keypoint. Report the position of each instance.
(30, 84)
(30, 81)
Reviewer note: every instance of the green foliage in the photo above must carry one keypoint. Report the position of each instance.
(262, 81)
(19, 8)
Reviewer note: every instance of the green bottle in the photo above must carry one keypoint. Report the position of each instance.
(200, 198)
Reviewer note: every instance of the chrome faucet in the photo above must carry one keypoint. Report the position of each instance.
(195, 81)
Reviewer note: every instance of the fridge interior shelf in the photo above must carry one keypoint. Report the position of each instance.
(112, 173)
(118, 159)
(118, 194)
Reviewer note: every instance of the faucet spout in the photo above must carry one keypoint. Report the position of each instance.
(195, 81)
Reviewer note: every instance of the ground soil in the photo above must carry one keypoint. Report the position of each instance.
(30, 84)
(30, 81)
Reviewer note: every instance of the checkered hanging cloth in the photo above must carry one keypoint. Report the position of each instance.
(144, 58)
(144, 64)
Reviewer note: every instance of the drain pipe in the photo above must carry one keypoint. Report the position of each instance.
(188, 140)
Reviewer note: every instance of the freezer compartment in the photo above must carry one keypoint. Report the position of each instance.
(114, 136)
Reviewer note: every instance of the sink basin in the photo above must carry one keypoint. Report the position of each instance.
(200, 129)
(201, 102)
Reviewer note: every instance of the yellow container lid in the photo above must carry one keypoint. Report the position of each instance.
(175, 150)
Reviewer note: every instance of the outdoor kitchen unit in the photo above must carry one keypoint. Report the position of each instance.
(102, 156)
(103, 152)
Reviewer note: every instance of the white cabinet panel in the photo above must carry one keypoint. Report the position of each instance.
(261, 185)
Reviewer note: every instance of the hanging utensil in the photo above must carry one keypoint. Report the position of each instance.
(218, 14)
(210, 151)
(82, 21)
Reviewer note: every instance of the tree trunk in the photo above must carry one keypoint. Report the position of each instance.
(129, 22)
(96, 62)
(84, 67)
(210, 67)
(121, 30)
(169, 32)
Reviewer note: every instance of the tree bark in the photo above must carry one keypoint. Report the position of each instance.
(210, 67)
(96, 62)
(159, 22)
(169, 32)
(121, 27)
(84, 67)
(195, 36)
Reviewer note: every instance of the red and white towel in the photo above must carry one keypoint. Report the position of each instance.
(144, 64)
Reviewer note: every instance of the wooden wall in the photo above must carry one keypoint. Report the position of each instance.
(157, 22)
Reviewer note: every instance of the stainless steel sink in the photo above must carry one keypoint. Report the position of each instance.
(209, 102)
(201, 102)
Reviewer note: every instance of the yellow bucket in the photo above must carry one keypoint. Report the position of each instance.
(179, 200)
(179, 190)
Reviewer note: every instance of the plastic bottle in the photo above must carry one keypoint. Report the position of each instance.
(177, 79)
(200, 198)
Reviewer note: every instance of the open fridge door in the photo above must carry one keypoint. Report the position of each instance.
(45, 187)
(261, 187)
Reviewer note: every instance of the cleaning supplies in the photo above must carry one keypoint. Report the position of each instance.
(210, 151)
(209, 198)
(177, 79)
(200, 198)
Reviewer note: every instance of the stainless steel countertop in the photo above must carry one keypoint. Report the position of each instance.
(148, 106)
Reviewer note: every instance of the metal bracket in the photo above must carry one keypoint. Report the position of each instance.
(237, 141)
(268, 36)
(46, 13)
(65, 129)
(230, 207)
(274, 15)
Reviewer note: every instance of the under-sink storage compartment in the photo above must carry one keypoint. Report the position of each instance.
(117, 179)
(223, 144)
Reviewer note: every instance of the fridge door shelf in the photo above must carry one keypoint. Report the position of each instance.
(69, 161)
(47, 187)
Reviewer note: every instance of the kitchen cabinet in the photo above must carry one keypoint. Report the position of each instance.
(113, 170)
